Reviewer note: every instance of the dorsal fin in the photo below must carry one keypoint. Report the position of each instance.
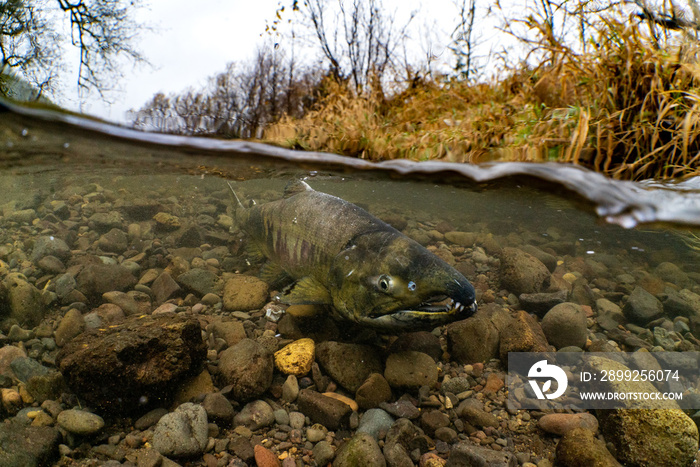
(295, 187)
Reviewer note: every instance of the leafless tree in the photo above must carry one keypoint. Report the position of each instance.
(103, 31)
(359, 40)
(239, 102)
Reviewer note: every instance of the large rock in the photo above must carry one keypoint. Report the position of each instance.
(580, 448)
(361, 449)
(21, 300)
(247, 367)
(138, 361)
(411, 370)
(348, 364)
(96, 279)
(659, 434)
(200, 281)
(565, 325)
(653, 437)
(245, 293)
(325, 410)
(22, 445)
(522, 273)
(182, 433)
(473, 340)
(642, 307)
(50, 246)
(467, 455)
(521, 333)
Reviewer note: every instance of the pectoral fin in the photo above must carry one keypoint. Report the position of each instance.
(307, 291)
(274, 275)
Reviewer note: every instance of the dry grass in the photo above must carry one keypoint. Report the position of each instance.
(629, 108)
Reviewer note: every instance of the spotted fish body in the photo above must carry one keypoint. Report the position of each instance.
(339, 255)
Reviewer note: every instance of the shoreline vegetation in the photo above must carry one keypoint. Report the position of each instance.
(621, 98)
(612, 86)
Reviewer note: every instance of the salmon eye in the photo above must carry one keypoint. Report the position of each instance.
(384, 283)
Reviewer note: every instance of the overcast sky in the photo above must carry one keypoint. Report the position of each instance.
(189, 44)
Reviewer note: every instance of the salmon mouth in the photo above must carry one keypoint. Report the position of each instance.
(445, 304)
(434, 312)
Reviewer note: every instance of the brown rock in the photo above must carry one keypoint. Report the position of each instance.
(373, 392)
(139, 360)
(580, 448)
(248, 367)
(96, 279)
(164, 287)
(493, 383)
(264, 457)
(523, 334)
(245, 293)
(231, 331)
(325, 410)
(473, 340)
(522, 273)
(411, 370)
(561, 423)
(348, 364)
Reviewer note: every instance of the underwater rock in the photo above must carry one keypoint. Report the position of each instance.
(325, 410)
(650, 437)
(245, 293)
(410, 369)
(167, 222)
(642, 307)
(420, 341)
(296, 358)
(50, 246)
(580, 448)
(200, 281)
(80, 422)
(565, 325)
(348, 364)
(230, 331)
(522, 273)
(465, 454)
(138, 361)
(22, 445)
(105, 221)
(164, 287)
(182, 433)
(361, 449)
(23, 300)
(248, 368)
(375, 421)
(96, 279)
(610, 316)
(521, 334)
(540, 303)
(561, 423)
(219, 409)
(473, 340)
(682, 303)
(114, 241)
(669, 272)
(373, 391)
(255, 415)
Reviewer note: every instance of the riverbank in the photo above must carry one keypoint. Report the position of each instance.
(627, 107)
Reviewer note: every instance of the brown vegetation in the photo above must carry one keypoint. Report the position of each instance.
(621, 97)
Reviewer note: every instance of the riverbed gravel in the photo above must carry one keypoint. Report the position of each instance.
(135, 333)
